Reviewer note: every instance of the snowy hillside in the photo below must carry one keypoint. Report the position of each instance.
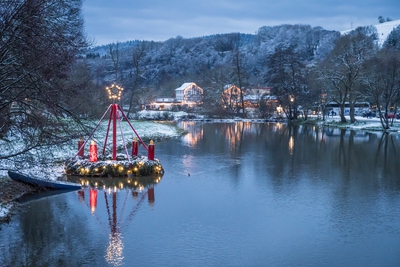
(383, 29)
(209, 60)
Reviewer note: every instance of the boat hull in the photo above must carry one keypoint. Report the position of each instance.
(55, 185)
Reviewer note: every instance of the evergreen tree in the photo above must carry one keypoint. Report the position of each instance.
(393, 39)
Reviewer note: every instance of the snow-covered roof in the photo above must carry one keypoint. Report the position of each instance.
(184, 86)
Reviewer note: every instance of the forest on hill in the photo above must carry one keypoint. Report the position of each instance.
(149, 69)
(308, 64)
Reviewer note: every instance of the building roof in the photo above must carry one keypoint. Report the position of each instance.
(184, 86)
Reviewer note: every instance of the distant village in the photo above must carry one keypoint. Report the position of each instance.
(190, 95)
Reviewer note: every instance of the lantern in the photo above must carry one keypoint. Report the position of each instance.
(93, 151)
(150, 154)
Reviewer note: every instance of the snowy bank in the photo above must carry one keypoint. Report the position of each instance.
(147, 130)
(361, 124)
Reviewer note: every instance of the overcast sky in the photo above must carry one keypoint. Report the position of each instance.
(123, 20)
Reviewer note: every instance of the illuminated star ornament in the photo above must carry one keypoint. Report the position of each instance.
(114, 92)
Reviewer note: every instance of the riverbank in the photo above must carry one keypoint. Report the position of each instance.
(10, 191)
(361, 124)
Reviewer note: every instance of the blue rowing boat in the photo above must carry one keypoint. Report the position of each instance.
(48, 184)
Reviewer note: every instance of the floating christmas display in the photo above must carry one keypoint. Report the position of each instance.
(114, 165)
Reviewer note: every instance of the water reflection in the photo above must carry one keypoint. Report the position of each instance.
(114, 183)
(105, 193)
(194, 133)
(286, 146)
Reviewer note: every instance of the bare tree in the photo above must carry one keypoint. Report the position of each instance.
(136, 75)
(86, 99)
(239, 70)
(231, 97)
(39, 42)
(288, 78)
(217, 79)
(115, 58)
(342, 68)
(382, 81)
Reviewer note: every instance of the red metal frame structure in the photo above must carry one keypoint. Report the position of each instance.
(114, 116)
(114, 94)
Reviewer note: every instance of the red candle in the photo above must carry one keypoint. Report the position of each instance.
(81, 149)
(135, 147)
(93, 152)
(150, 155)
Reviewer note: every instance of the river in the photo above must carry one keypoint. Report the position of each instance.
(233, 194)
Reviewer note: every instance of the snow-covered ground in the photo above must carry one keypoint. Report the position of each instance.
(364, 124)
(5, 209)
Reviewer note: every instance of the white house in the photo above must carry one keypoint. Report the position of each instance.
(189, 94)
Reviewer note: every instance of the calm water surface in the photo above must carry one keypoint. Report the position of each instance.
(237, 194)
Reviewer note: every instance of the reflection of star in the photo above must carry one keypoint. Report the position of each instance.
(115, 248)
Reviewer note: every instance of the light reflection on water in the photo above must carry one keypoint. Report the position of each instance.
(236, 194)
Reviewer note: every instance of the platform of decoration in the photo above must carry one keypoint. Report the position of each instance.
(105, 166)
(97, 164)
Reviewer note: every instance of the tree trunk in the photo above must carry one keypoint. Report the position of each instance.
(342, 117)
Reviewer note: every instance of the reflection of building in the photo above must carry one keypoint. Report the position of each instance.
(188, 95)
(194, 134)
(233, 133)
